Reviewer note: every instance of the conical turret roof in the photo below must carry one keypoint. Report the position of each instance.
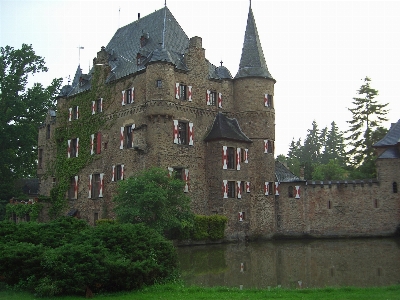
(252, 62)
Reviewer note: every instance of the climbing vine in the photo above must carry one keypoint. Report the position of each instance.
(64, 168)
(23, 208)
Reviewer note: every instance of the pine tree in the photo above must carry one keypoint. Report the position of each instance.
(368, 116)
(334, 147)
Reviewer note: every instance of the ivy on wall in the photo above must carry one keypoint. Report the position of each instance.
(23, 209)
(62, 167)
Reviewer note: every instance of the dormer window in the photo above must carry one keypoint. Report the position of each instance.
(143, 41)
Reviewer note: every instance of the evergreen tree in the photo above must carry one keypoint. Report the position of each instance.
(311, 150)
(334, 147)
(368, 116)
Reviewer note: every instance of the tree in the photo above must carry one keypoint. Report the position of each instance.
(334, 147)
(22, 110)
(368, 116)
(154, 198)
(311, 150)
(330, 171)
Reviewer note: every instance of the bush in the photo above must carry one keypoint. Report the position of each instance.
(216, 226)
(110, 257)
(200, 230)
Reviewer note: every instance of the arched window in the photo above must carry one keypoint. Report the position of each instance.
(290, 191)
(394, 187)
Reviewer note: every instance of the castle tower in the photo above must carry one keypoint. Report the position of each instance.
(253, 89)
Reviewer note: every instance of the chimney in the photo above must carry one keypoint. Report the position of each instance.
(138, 16)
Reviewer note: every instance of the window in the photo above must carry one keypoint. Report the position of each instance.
(182, 133)
(241, 216)
(231, 158)
(179, 173)
(182, 92)
(268, 100)
(290, 191)
(75, 112)
(394, 187)
(231, 189)
(130, 95)
(329, 204)
(40, 159)
(95, 217)
(72, 189)
(268, 146)
(95, 143)
(375, 203)
(96, 186)
(73, 147)
(48, 131)
(99, 105)
(213, 98)
(159, 83)
(53, 180)
(119, 172)
(128, 136)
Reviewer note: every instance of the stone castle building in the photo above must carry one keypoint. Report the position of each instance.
(164, 104)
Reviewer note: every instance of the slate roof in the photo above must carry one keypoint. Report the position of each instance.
(392, 138)
(225, 128)
(282, 174)
(391, 152)
(164, 40)
(252, 61)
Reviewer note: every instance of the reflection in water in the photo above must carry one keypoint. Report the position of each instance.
(293, 264)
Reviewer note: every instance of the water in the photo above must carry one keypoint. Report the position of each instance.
(293, 264)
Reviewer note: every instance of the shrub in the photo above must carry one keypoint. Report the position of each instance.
(200, 230)
(110, 257)
(216, 226)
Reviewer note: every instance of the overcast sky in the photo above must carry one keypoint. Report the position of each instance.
(318, 51)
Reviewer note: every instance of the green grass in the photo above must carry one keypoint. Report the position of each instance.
(178, 291)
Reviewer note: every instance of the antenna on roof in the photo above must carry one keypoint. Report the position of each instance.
(165, 3)
(80, 47)
(250, 3)
(119, 15)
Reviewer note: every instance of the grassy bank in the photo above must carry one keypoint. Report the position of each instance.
(177, 291)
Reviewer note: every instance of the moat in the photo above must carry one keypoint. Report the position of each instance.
(294, 263)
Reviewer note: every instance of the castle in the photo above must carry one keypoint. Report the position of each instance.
(164, 104)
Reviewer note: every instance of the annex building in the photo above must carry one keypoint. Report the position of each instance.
(153, 99)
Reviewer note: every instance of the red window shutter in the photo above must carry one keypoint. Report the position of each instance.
(122, 172)
(69, 149)
(265, 146)
(248, 187)
(175, 131)
(186, 178)
(224, 157)
(246, 156)
(98, 148)
(297, 192)
(92, 144)
(266, 103)
(239, 189)
(189, 93)
(276, 188)
(121, 138)
(101, 104)
(266, 188)
(208, 97)
(190, 134)
(90, 186)
(113, 173)
(101, 185)
(238, 153)
(177, 90)
(225, 188)
(77, 147)
(76, 188)
(220, 100)
(93, 107)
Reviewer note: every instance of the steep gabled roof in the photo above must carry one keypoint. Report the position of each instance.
(282, 174)
(252, 61)
(225, 128)
(163, 40)
(392, 138)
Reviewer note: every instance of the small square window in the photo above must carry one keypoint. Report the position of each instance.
(159, 83)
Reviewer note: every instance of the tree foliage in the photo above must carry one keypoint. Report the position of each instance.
(66, 256)
(22, 110)
(154, 198)
(367, 117)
